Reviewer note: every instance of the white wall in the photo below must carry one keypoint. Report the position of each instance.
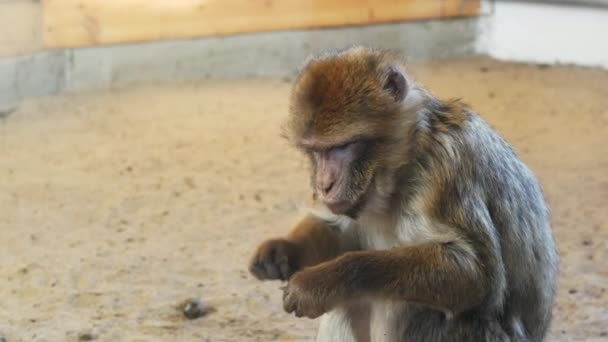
(545, 33)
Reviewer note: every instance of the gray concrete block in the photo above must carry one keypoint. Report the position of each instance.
(89, 68)
(9, 97)
(41, 74)
(260, 54)
(35, 75)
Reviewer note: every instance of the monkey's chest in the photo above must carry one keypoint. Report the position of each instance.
(382, 234)
(379, 240)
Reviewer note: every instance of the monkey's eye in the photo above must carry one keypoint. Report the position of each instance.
(343, 149)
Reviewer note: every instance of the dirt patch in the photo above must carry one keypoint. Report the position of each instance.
(117, 206)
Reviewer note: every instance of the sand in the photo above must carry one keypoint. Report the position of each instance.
(117, 206)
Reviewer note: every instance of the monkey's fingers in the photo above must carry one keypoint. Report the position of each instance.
(285, 269)
(272, 269)
(289, 302)
(257, 270)
(294, 303)
(282, 257)
(263, 269)
(272, 261)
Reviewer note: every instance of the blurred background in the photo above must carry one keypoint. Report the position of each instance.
(141, 160)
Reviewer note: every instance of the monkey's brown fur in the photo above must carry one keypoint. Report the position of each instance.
(445, 234)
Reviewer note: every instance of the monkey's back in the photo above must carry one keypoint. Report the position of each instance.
(486, 177)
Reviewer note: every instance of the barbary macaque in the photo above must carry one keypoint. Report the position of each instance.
(425, 226)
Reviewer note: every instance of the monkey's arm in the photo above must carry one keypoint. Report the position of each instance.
(311, 242)
(447, 275)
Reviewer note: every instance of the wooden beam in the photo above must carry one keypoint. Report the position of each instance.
(71, 23)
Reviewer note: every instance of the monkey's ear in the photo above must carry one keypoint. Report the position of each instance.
(396, 84)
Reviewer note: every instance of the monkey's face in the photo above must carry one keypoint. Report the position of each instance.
(341, 174)
(345, 112)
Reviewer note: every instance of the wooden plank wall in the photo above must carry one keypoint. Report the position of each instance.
(72, 23)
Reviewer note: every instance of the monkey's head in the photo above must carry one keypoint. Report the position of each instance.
(349, 112)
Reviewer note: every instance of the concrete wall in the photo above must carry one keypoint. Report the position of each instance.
(261, 54)
(527, 32)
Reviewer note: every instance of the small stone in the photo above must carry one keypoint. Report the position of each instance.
(604, 333)
(484, 69)
(586, 242)
(5, 113)
(572, 291)
(194, 308)
(86, 337)
(3, 339)
(257, 197)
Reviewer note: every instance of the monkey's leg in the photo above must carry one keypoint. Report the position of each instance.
(441, 275)
(418, 323)
(311, 241)
(478, 329)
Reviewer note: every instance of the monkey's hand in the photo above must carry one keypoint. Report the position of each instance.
(274, 259)
(305, 294)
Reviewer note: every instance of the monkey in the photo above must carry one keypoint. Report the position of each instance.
(424, 223)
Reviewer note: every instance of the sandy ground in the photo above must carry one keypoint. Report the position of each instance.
(117, 206)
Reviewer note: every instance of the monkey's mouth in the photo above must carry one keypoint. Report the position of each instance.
(346, 207)
(340, 207)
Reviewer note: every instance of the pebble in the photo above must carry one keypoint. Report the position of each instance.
(5, 113)
(194, 308)
(86, 337)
